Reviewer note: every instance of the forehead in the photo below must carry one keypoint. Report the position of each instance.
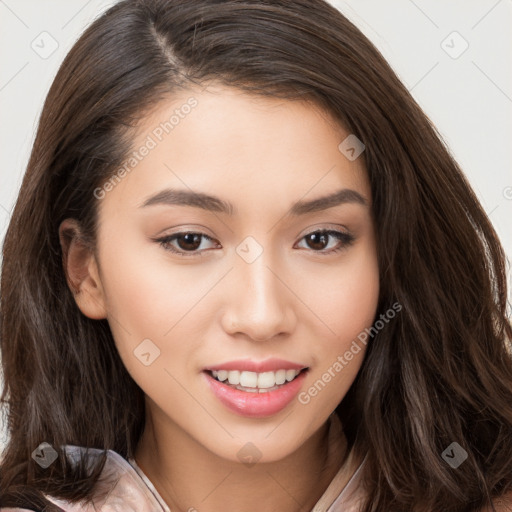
(253, 151)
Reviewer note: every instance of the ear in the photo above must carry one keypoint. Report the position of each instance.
(81, 270)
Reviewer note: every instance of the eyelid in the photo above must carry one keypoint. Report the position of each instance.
(323, 227)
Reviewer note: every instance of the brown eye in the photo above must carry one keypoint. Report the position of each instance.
(317, 241)
(320, 240)
(185, 244)
(189, 241)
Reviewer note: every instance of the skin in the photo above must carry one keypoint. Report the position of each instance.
(296, 301)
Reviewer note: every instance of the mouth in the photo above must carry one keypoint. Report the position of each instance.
(255, 395)
(253, 382)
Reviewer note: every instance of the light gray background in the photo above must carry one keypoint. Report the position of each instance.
(469, 98)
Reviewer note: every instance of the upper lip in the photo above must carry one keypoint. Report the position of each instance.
(268, 365)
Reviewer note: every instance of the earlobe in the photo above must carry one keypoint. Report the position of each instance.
(81, 270)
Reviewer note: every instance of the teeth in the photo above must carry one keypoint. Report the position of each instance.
(290, 375)
(249, 379)
(222, 375)
(261, 381)
(234, 377)
(280, 377)
(267, 380)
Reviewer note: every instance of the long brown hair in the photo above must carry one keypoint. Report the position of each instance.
(441, 372)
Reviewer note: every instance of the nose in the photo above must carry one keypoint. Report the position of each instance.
(259, 304)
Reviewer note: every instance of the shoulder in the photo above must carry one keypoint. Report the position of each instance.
(120, 486)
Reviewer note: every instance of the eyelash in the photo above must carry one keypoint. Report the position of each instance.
(346, 239)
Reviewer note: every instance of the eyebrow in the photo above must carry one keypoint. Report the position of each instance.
(214, 204)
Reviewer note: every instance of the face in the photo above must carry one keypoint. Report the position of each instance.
(264, 272)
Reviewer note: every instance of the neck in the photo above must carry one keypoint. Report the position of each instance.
(191, 478)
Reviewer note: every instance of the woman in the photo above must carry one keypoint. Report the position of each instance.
(244, 273)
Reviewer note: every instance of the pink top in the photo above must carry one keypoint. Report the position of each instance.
(134, 492)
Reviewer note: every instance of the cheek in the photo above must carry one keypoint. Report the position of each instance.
(145, 299)
(151, 297)
(346, 302)
(345, 297)
(354, 307)
(348, 307)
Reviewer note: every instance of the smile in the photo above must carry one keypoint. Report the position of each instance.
(255, 382)
(257, 398)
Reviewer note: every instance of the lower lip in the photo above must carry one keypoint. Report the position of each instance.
(256, 405)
